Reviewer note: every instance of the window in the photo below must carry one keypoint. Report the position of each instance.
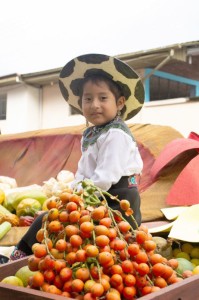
(3, 105)
(162, 85)
(162, 88)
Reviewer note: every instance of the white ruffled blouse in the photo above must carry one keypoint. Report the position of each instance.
(114, 154)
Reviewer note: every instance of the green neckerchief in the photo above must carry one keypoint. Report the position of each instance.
(91, 134)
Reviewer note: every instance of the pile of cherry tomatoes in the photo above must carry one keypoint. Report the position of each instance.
(88, 251)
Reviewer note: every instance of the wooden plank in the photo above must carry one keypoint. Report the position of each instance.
(13, 236)
(154, 224)
(184, 290)
(10, 292)
(12, 267)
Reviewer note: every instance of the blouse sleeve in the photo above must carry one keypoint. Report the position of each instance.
(113, 158)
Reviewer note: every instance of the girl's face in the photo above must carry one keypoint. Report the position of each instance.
(99, 104)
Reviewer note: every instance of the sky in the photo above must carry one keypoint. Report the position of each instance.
(44, 34)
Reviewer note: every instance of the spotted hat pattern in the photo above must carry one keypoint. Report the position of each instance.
(74, 72)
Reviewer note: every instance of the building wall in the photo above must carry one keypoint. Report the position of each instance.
(23, 110)
(177, 113)
(56, 111)
(54, 108)
(183, 116)
(30, 108)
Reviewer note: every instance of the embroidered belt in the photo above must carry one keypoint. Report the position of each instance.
(125, 182)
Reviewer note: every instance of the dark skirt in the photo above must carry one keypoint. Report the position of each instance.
(127, 189)
(25, 244)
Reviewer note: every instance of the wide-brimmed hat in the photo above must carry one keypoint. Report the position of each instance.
(75, 71)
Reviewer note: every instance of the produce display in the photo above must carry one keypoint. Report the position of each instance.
(187, 255)
(88, 251)
(20, 205)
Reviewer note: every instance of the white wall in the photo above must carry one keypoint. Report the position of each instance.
(56, 111)
(180, 114)
(22, 110)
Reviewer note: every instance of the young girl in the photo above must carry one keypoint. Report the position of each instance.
(107, 92)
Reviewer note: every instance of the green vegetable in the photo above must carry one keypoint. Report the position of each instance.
(12, 200)
(184, 265)
(28, 207)
(35, 194)
(4, 211)
(8, 202)
(4, 228)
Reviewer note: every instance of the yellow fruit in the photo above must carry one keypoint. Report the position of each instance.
(44, 206)
(12, 280)
(187, 247)
(183, 255)
(195, 261)
(28, 207)
(24, 274)
(2, 196)
(176, 251)
(194, 252)
(196, 270)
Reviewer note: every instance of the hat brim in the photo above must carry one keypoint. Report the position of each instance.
(74, 72)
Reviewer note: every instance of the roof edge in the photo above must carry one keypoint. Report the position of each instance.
(51, 76)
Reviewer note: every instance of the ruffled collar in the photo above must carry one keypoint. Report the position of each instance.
(92, 133)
